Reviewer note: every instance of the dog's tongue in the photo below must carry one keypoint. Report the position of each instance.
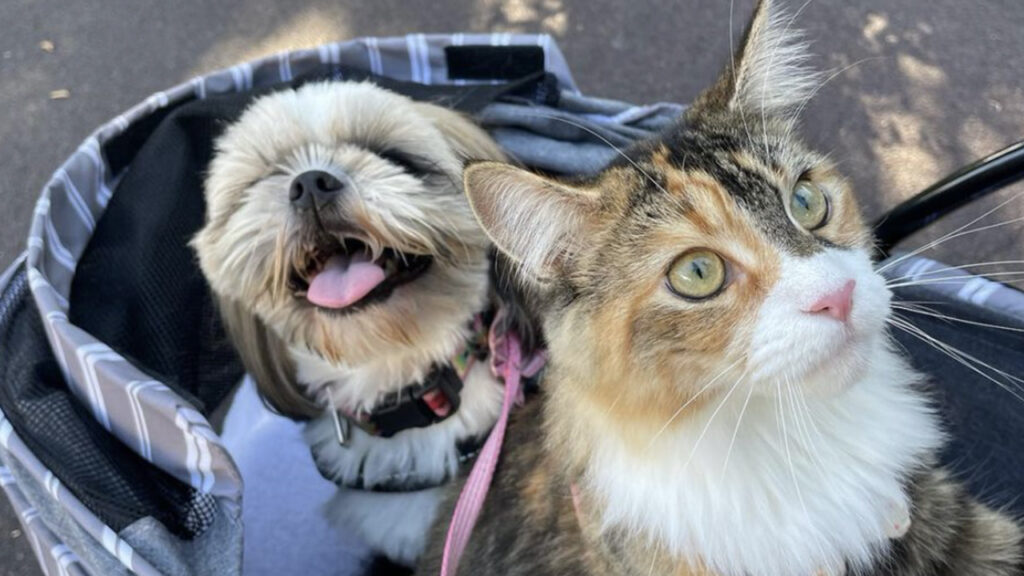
(344, 281)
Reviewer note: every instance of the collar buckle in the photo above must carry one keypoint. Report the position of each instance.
(419, 406)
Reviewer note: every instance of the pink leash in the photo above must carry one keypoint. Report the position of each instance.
(505, 360)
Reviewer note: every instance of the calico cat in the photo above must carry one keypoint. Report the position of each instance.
(722, 396)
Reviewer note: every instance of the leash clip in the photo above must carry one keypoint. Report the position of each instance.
(340, 426)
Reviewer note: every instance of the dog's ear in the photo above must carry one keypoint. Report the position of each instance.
(266, 359)
(468, 140)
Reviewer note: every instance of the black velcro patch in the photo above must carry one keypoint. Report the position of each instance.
(493, 62)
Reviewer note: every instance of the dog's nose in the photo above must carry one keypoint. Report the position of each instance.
(314, 188)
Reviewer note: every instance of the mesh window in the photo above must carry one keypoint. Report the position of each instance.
(109, 478)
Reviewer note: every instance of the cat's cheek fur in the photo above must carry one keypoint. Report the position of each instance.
(823, 354)
(816, 477)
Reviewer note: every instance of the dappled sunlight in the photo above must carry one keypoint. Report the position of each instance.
(909, 113)
(550, 16)
(921, 74)
(979, 137)
(873, 28)
(902, 126)
(308, 28)
(913, 112)
(906, 161)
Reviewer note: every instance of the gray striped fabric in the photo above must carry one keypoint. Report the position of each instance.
(53, 555)
(164, 428)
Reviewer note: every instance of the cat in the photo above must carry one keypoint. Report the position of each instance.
(722, 396)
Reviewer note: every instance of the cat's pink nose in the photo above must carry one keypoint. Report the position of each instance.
(837, 303)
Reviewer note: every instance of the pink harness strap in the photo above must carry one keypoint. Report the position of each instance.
(506, 358)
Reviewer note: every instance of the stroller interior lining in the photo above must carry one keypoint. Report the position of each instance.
(114, 482)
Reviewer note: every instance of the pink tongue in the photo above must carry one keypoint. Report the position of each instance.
(344, 281)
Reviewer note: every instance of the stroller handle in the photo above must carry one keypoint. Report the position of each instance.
(974, 181)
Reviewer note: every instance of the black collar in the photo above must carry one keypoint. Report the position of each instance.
(425, 403)
(415, 406)
(418, 405)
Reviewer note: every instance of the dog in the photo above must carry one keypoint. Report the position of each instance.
(355, 284)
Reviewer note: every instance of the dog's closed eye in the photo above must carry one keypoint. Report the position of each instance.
(410, 163)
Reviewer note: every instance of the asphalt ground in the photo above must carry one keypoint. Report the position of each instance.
(925, 86)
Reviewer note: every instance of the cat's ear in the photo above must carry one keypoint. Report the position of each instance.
(538, 222)
(768, 73)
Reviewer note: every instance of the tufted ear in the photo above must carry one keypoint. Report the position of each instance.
(769, 71)
(538, 222)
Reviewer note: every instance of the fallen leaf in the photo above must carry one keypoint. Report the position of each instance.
(46, 46)
(61, 94)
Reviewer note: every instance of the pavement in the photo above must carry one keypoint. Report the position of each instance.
(922, 86)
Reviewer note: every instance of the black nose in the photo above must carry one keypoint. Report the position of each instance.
(314, 188)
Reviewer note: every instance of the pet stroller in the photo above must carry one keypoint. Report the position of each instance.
(113, 362)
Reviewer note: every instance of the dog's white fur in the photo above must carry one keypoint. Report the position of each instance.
(802, 471)
(253, 238)
(396, 522)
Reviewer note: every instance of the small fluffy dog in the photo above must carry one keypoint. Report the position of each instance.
(353, 279)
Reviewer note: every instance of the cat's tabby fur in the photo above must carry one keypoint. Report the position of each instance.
(746, 433)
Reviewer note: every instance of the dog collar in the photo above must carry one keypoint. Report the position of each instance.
(425, 403)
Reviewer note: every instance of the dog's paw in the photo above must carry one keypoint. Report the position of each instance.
(395, 524)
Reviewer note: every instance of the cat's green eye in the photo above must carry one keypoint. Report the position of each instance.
(809, 205)
(697, 274)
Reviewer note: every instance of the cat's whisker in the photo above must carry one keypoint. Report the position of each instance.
(692, 400)
(778, 421)
(930, 273)
(813, 448)
(921, 278)
(801, 430)
(799, 110)
(792, 467)
(607, 142)
(960, 357)
(707, 425)
(615, 402)
(1012, 278)
(936, 314)
(785, 435)
(899, 305)
(952, 234)
(736, 431)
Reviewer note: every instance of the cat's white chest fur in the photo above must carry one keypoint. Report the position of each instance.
(810, 483)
